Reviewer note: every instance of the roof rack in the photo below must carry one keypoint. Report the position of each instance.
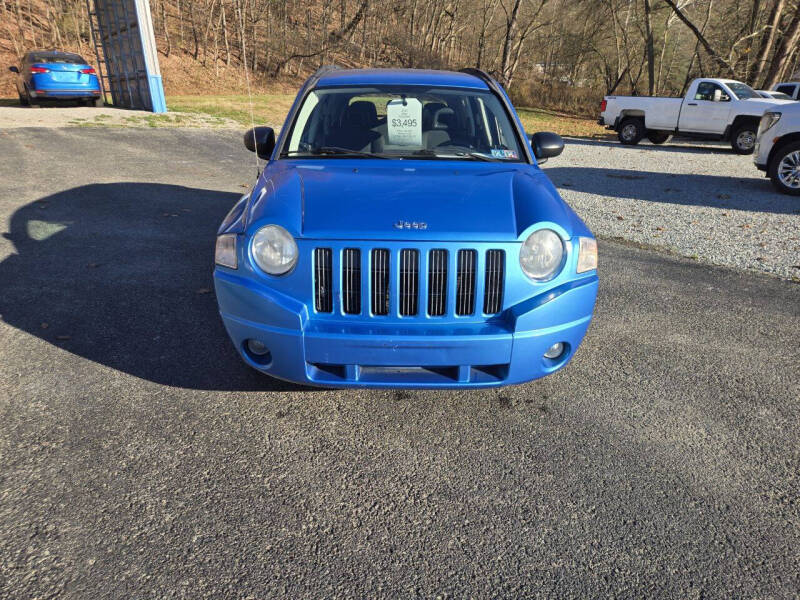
(325, 69)
(482, 75)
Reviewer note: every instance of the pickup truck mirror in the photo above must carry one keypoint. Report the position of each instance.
(546, 144)
(720, 96)
(260, 140)
(13, 69)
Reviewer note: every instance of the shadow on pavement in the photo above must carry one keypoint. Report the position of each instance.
(735, 193)
(121, 274)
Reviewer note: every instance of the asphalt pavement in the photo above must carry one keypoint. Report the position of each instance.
(140, 458)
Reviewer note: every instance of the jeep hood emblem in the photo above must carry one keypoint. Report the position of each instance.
(410, 225)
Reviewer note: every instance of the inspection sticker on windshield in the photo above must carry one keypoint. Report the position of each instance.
(404, 121)
(503, 153)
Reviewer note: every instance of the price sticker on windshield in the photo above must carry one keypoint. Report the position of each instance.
(404, 121)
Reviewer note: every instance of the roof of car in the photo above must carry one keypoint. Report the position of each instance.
(337, 77)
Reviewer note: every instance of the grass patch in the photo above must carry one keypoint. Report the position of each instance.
(268, 109)
(9, 102)
(534, 119)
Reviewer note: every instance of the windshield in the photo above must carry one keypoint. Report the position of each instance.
(403, 122)
(742, 91)
(56, 57)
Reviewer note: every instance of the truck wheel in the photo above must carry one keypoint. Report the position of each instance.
(657, 137)
(784, 169)
(743, 138)
(631, 131)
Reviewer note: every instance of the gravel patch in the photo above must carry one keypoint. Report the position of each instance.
(699, 200)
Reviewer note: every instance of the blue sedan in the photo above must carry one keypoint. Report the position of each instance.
(56, 75)
(402, 234)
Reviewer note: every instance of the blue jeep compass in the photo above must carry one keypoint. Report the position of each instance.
(403, 235)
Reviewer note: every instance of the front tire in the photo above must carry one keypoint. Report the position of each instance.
(657, 137)
(631, 131)
(743, 139)
(784, 169)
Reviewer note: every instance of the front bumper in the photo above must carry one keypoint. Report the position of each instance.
(507, 350)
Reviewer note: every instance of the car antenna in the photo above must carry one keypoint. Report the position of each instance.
(250, 99)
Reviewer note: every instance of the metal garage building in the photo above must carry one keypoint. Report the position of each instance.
(127, 60)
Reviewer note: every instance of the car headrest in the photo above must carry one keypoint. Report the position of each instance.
(428, 112)
(361, 113)
(444, 118)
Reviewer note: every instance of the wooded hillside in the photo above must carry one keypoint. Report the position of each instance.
(556, 53)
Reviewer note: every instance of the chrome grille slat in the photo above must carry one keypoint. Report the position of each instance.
(495, 271)
(351, 281)
(465, 282)
(409, 282)
(380, 281)
(437, 282)
(323, 272)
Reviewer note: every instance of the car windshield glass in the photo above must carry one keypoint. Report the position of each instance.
(742, 91)
(403, 122)
(51, 57)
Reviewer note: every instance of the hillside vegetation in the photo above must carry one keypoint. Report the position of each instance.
(556, 54)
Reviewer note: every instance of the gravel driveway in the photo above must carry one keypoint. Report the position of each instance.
(701, 201)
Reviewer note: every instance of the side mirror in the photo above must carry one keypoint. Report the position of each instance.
(13, 69)
(546, 144)
(260, 140)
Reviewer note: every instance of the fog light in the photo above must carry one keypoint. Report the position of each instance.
(257, 348)
(555, 351)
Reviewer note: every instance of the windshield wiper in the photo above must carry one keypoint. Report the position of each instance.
(479, 156)
(457, 155)
(323, 150)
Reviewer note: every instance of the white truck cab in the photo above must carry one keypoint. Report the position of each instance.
(791, 89)
(713, 109)
(778, 147)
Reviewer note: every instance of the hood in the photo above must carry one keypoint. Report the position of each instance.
(479, 201)
(764, 104)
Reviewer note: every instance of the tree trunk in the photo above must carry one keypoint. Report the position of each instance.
(651, 59)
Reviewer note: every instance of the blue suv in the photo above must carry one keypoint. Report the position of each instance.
(402, 234)
(53, 75)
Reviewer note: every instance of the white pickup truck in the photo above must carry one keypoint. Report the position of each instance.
(713, 109)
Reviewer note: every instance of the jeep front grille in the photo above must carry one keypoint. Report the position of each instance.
(396, 286)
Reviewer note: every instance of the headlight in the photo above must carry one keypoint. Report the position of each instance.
(587, 255)
(768, 121)
(274, 250)
(225, 252)
(542, 255)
